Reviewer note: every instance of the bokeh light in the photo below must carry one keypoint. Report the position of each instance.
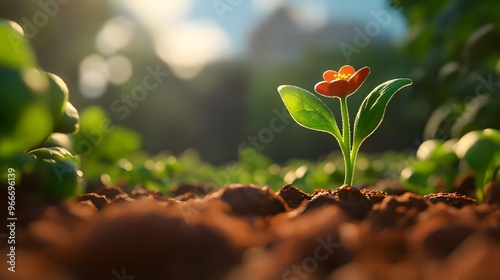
(114, 35)
(93, 76)
(187, 48)
(120, 69)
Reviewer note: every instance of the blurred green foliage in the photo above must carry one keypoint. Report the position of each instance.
(55, 173)
(103, 146)
(112, 155)
(455, 45)
(166, 171)
(439, 162)
(33, 104)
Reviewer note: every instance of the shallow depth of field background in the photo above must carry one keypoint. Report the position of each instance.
(225, 59)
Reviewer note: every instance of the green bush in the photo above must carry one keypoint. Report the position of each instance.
(34, 104)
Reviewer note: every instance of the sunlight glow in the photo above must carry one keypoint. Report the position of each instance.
(188, 47)
(114, 35)
(92, 84)
(93, 76)
(96, 72)
(156, 14)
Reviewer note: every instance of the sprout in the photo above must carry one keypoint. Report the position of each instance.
(310, 112)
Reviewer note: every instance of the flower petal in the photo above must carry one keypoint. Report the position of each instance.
(329, 75)
(358, 78)
(347, 69)
(338, 88)
(322, 88)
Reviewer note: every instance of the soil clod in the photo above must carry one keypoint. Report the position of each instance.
(374, 196)
(293, 196)
(252, 200)
(453, 199)
(99, 201)
(492, 193)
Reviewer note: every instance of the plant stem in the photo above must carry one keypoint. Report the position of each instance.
(354, 155)
(479, 181)
(346, 147)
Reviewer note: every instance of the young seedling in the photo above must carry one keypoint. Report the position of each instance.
(310, 112)
(480, 150)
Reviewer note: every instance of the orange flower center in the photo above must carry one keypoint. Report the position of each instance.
(344, 77)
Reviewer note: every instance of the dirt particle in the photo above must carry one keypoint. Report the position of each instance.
(196, 190)
(492, 193)
(109, 191)
(352, 201)
(99, 201)
(453, 199)
(293, 196)
(374, 196)
(251, 200)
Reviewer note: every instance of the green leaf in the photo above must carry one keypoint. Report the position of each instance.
(308, 110)
(25, 118)
(56, 174)
(59, 94)
(478, 148)
(15, 51)
(69, 121)
(372, 110)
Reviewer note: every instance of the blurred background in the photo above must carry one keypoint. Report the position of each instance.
(203, 74)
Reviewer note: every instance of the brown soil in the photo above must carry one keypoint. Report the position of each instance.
(246, 232)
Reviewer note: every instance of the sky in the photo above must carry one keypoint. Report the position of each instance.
(189, 34)
(238, 22)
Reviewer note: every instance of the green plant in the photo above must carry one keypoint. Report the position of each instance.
(477, 151)
(108, 151)
(436, 160)
(34, 106)
(480, 151)
(310, 112)
(56, 173)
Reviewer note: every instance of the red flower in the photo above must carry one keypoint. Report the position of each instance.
(343, 83)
